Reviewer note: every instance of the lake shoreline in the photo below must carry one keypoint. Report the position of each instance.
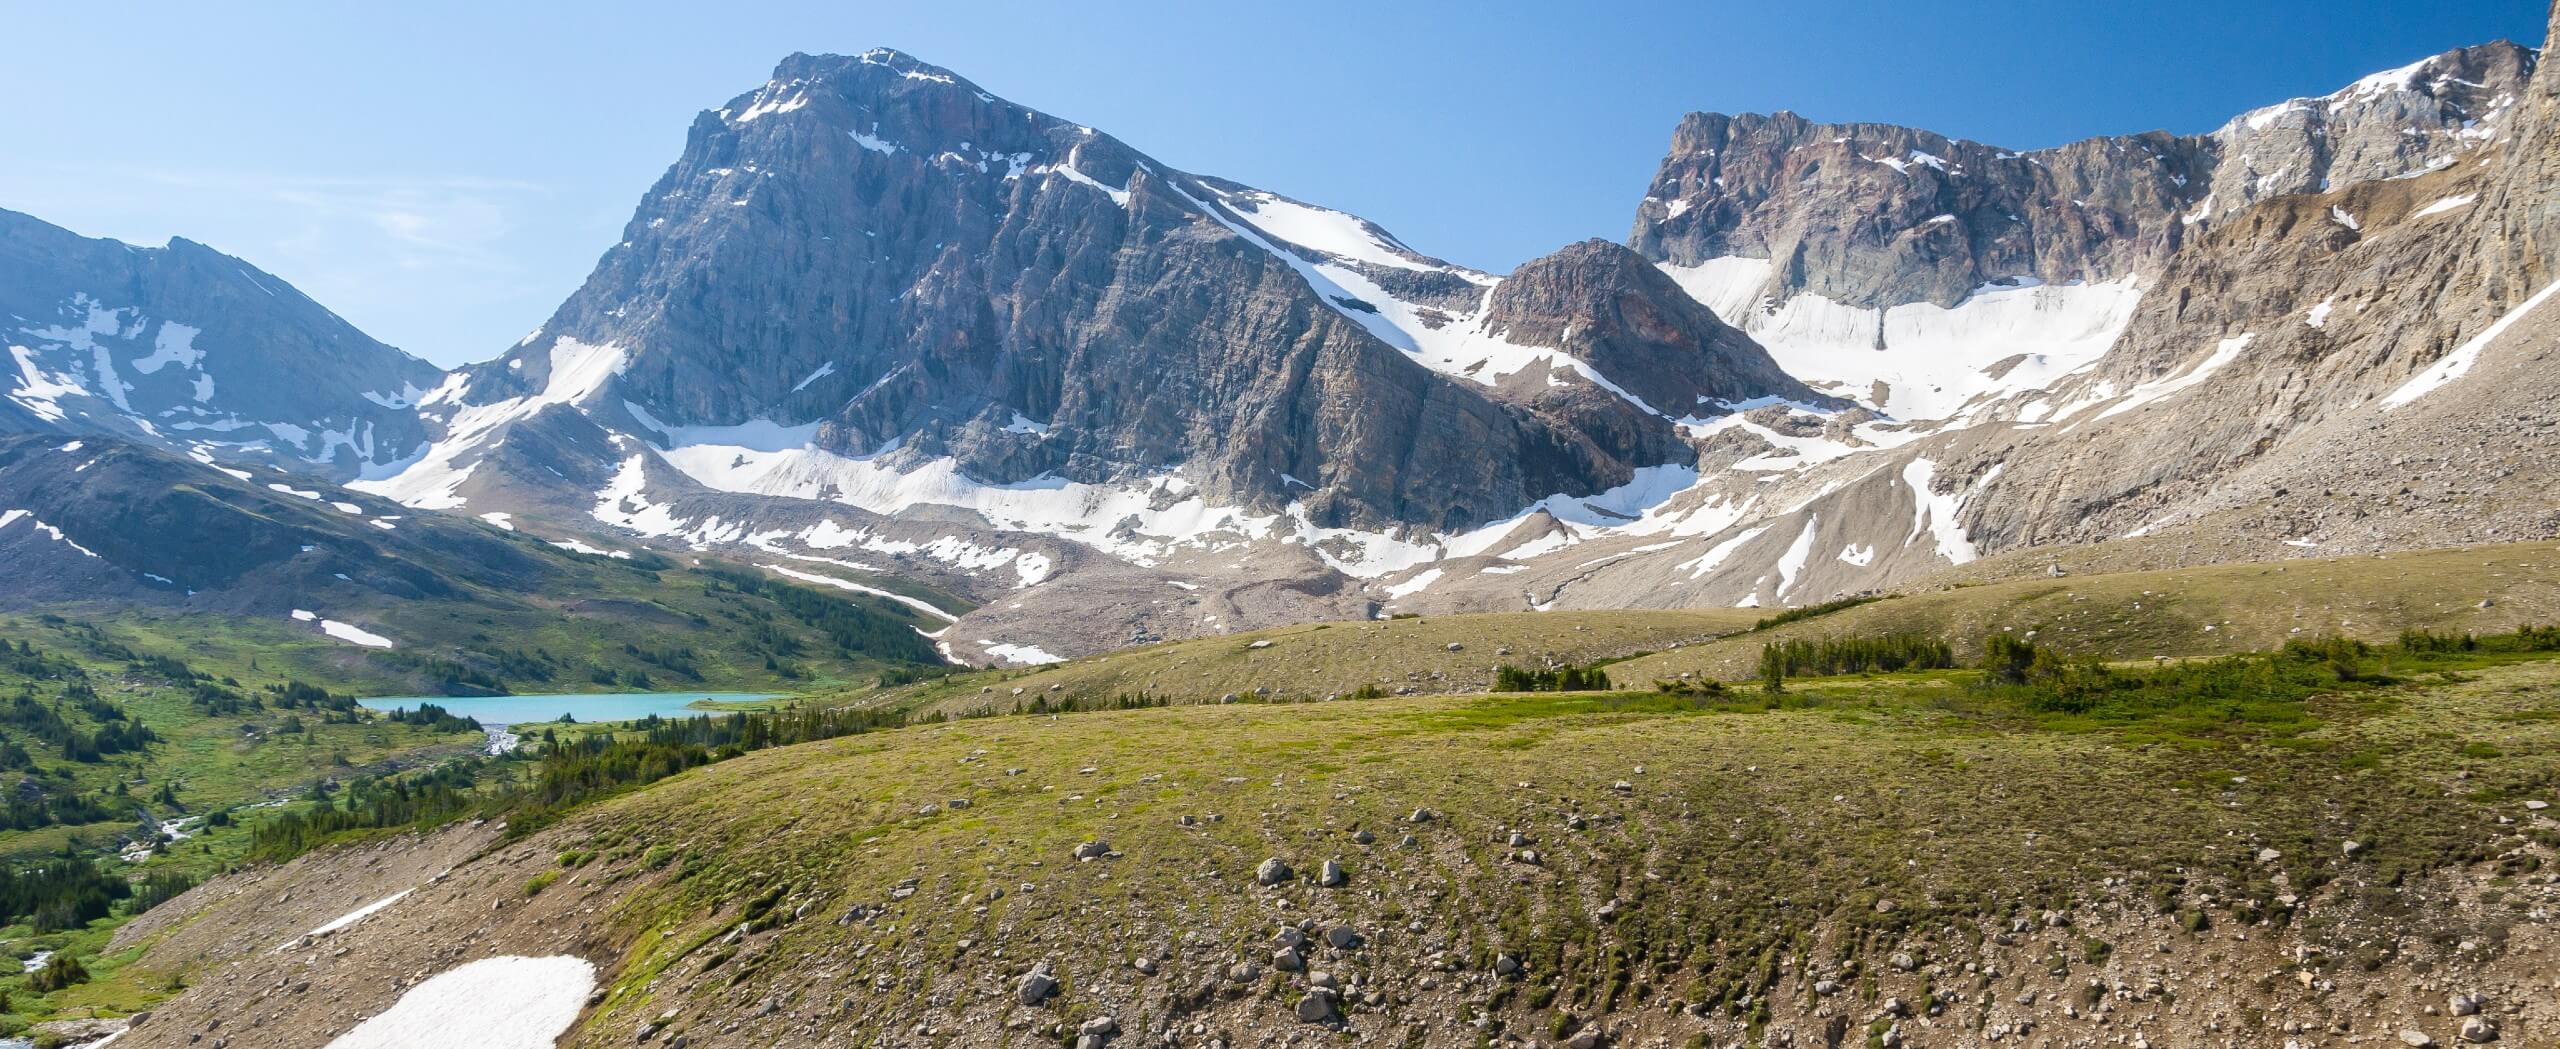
(500, 716)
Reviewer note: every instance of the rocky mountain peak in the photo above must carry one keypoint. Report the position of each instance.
(190, 349)
(1615, 310)
(868, 271)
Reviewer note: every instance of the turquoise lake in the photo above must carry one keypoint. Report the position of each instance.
(493, 711)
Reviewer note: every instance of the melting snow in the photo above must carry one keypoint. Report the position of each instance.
(840, 584)
(2453, 365)
(2445, 205)
(507, 1002)
(358, 914)
(342, 631)
(824, 370)
(9, 517)
(2223, 353)
(1415, 585)
(1323, 229)
(1936, 514)
(1791, 564)
(1934, 361)
(1020, 655)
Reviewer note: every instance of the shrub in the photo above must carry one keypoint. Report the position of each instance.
(1882, 653)
(59, 972)
(1508, 678)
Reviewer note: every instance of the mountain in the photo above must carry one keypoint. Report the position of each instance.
(870, 284)
(871, 297)
(310, 573)
(2131, 380)
(197, 352)
(877, 322)
(1826, 241)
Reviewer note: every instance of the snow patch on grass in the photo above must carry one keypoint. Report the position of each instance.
(507, 1002)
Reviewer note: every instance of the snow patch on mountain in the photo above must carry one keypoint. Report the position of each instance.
(2456, 364)
(1932, 362)
(432, 479)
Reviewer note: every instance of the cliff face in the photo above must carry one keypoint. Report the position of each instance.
(1875, 215)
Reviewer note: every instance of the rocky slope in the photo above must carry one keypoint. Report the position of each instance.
(197, 352)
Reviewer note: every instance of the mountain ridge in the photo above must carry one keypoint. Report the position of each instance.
(871, 298)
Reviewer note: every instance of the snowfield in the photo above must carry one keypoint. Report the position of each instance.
(507, 1002)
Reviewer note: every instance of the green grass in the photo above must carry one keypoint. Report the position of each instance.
(1320, 660)
(1753, 822)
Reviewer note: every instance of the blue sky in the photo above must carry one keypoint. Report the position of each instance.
(444, 179)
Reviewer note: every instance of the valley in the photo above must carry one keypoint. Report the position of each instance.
(949, 577)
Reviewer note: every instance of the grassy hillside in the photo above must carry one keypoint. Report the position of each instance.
(2130, 615)
(2187, 611)
(1916, 854)
(1320, 660)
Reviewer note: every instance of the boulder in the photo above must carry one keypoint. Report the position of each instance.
(1037, 985)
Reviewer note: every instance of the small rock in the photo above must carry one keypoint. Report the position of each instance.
(1288, 960)
(2478, 1030)
(2462, 1005)
(1342, 937)
(2351, 848)
(1420, 816)
(1362, 837)
(1332, 875)
(1506, 965)
(1093, 850)
(1316, 1007)
(1272, 872)
(2417, 1039)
